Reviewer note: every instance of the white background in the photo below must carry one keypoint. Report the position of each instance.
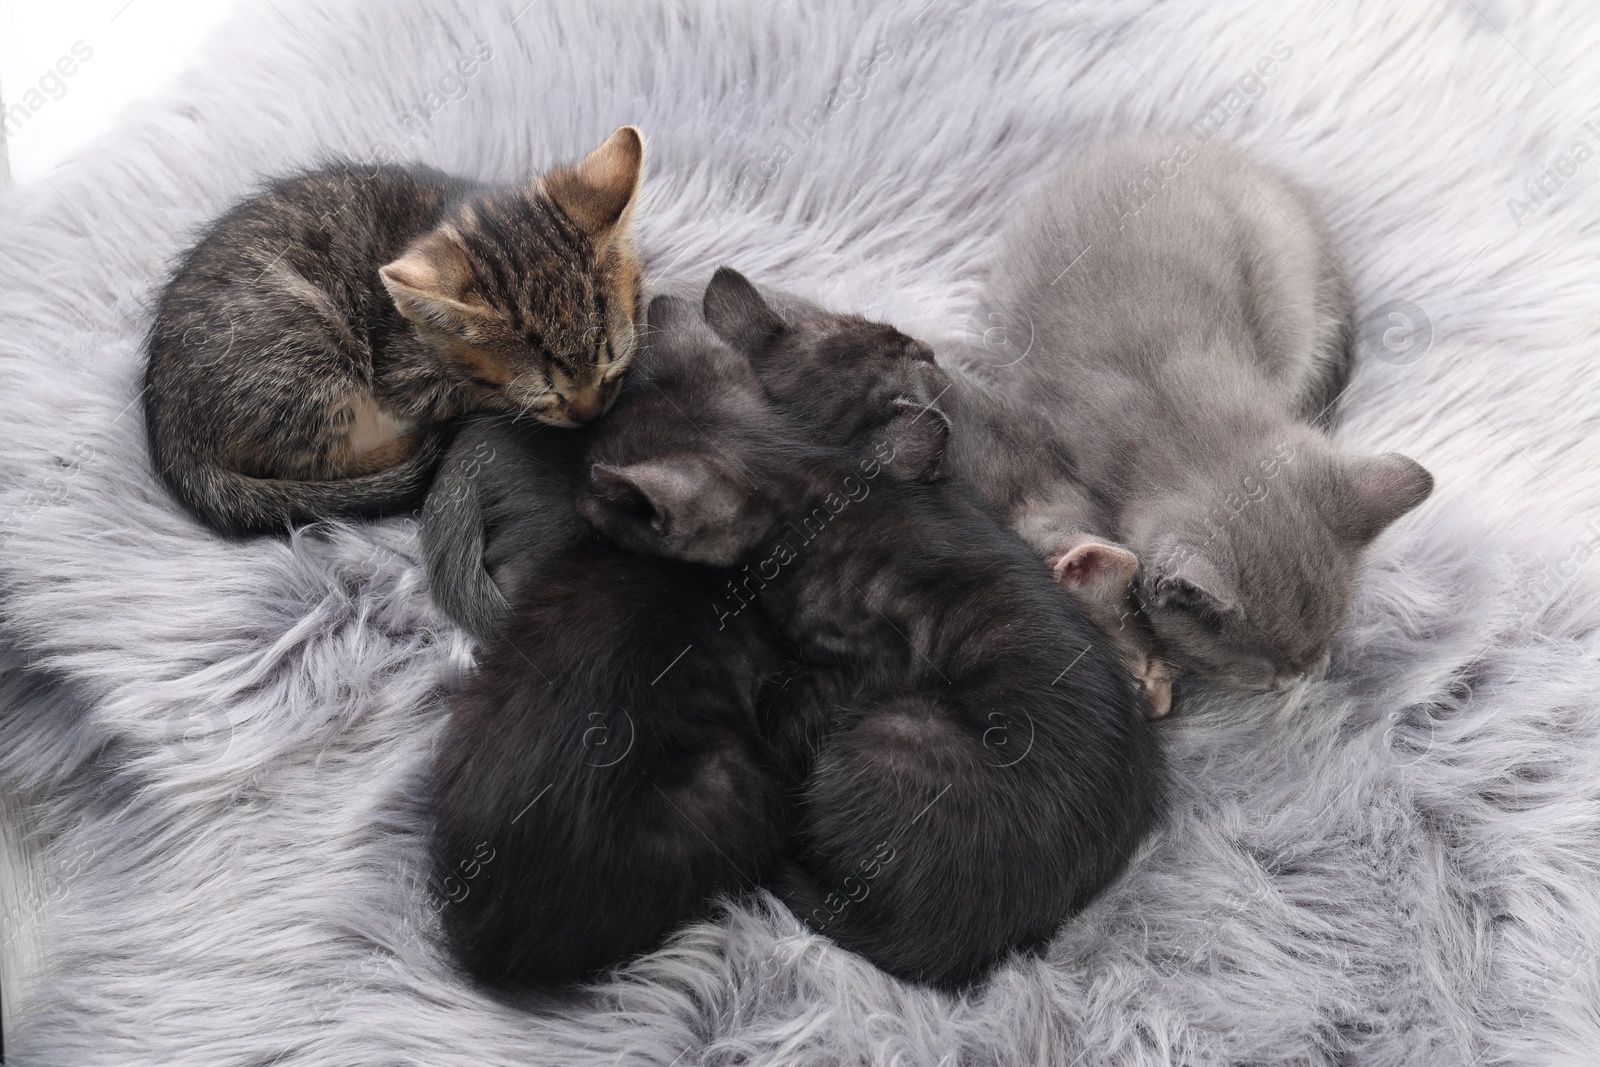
(139, 46)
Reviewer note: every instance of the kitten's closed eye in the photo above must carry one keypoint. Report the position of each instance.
(508, 327)
(1185, 596)
(1201, 613)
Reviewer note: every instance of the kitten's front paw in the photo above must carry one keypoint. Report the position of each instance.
(1156, 684)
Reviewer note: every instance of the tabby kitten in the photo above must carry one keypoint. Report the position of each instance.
(844, 376)
(310, 347)
(606, 757)
(1191, 335)
(981, 766)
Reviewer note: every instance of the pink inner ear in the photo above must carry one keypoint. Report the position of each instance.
(1095, 566)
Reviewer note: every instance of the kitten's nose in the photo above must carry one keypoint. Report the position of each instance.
(585, 408)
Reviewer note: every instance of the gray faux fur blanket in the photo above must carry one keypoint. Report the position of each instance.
(221, 746)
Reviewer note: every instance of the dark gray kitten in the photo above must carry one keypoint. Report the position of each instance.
(602, 778)
(1190, 335)
(977, 761)
(843, 375)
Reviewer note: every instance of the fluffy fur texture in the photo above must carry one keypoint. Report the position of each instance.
(219, 743)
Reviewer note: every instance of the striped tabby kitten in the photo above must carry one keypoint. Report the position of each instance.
(309, 349)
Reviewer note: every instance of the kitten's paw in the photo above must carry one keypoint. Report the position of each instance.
(1156, 683)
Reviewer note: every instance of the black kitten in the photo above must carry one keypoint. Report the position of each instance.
(602, 777)
(982, 765)
(845, 378)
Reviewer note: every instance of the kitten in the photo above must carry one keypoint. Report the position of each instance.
(602, 778)
(309, 348)
(1191, 334)
(981, 765)
(840, 376)
(845, 377)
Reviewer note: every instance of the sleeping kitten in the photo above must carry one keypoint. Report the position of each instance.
(308, 350)
(982, 767)
(1190, 334)
(845, 377)
(602, 776)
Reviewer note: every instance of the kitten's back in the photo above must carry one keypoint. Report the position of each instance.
(1144, 253)
(601, 780)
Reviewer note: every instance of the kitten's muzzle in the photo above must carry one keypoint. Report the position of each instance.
(588, 407)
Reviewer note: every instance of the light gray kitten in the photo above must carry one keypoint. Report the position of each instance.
(1190, 336)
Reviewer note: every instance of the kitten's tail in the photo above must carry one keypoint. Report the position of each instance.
(236, 504)
(453, 545)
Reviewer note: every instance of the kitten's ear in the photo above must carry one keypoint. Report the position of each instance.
(597, 193)
(1102, 571)
(1190, 580)
(1380, 490)
(649, 492)
(914, 440)
(432, 284)
(735, 310)
(1099, 574)
(693, 504)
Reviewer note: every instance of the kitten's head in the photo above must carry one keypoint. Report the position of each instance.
(850, 382)
(689, 465)
(1248, 583)
(530, 294)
